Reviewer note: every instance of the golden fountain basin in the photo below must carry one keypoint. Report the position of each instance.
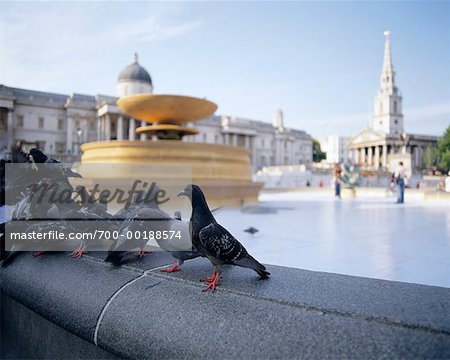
(224, 172)
(166, 109)
(166, 131)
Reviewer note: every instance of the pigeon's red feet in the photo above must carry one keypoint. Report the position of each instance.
(174, 268)
(214, 283)
(142, 253)
(209, 279)
(78, 253)
(38, 253)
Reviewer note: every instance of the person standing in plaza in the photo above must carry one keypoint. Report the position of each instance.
(401, 179)
(337, 180)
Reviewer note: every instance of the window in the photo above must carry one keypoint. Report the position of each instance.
(395, 121)
(395, 106)
(41, 123)
(381, 107)
(204, 137)
(19, 121)
(60, 124)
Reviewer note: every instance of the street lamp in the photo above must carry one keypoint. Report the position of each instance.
(79, 134)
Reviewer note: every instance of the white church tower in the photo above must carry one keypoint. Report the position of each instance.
(388, 117)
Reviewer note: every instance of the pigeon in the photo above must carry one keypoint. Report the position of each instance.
(214, 242)
(180, 247)
(86, 200)
(139, 224)
(52, 168)
(251, 230)
(88, 222)
(89, 216)
(51, 224)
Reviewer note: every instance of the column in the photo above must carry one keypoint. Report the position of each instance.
(384, 157)
(363, 156)
(377, 157)
(69, 135)
(99, 129)
(143, 137)
(355, 156)
(247, 142)
(131, 130)
(107, 127)
(85, 130)
(370, 156)
(420, 155)
(102, 128)
(416, 156)
(120, 128)
(414, 159)
(10, 128)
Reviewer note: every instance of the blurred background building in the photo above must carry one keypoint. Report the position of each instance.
(336, 148)
(59, 124)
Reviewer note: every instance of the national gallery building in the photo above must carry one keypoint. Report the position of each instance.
(59, 124)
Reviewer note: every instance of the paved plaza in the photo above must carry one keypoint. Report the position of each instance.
(373, 238)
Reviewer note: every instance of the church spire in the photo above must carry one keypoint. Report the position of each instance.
(387, 115)
(388, 73)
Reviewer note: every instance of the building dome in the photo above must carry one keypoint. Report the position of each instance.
(133, 80)
(134, 72)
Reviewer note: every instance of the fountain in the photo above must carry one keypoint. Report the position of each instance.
(223, 171)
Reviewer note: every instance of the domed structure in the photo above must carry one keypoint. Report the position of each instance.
(133, 80)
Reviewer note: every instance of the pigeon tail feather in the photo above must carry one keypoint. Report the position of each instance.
(251, 263)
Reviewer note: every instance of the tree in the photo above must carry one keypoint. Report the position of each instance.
(318, 154)
(430, 157)
(444, 150)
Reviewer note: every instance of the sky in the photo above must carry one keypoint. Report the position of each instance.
(320, 62)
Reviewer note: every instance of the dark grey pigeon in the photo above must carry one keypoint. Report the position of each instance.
(180, 245)
(53, 223)
(213, 241)
(146, 219)
(54, 169)
(180, 248)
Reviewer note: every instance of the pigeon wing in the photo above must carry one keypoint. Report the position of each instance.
(220, 244)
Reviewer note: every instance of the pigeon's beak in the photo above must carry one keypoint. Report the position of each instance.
(183, 193)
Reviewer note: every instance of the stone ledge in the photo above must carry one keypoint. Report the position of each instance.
(297, 313)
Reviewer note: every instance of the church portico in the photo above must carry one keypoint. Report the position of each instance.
(372, 148)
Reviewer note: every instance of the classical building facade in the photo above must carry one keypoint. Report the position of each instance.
(59, 123)
(373, 147)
